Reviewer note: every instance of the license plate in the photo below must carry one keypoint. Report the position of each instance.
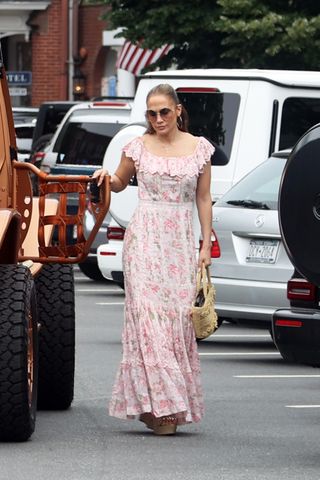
(263, 251)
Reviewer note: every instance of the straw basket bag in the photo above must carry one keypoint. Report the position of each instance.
(203, 314)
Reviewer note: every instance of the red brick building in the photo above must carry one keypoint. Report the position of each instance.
(52, 65)
(62, 46)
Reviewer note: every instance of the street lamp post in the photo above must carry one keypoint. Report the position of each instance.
(79, 84)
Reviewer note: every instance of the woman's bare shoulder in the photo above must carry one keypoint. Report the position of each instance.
(189, 138)
(146, 137)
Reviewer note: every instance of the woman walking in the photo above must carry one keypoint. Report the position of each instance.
(159, 375)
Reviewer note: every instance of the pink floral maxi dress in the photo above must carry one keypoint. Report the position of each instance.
(160, 368)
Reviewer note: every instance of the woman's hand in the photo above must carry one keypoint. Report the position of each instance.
(99, 175)
(204, 256)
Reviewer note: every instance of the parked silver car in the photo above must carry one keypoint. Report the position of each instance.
(253, 269)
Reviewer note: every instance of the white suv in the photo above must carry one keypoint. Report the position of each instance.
(78, 148)
(109, 255)
(24, 123)
(247, 114)
(79, 144)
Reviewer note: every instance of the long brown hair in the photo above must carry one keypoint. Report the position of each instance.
(169, 91)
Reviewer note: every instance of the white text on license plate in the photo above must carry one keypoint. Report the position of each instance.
(262, 251)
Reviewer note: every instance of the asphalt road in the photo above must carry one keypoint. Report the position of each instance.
(262, 415)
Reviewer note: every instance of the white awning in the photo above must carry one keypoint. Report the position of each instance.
(109, 38)
(134, 59)
(14, 16)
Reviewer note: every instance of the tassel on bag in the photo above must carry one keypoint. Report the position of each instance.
(203, 314)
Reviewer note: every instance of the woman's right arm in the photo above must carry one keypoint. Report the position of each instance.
(120, 179)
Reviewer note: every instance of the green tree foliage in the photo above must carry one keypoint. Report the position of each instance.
(224, 33)
(271, 33)
(186, 24)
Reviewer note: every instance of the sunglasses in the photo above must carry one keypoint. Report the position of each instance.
(164, 113)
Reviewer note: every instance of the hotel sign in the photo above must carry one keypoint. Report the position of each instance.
(19, 78)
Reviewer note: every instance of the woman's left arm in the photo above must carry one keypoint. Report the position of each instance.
(204, 205)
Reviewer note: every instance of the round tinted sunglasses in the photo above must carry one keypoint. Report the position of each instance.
(164, 113)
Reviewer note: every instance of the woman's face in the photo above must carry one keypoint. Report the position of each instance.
(162, 113)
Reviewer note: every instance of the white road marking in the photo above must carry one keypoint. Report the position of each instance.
(208, 354)
(276, 376)
(84, 290)
(255, 335)
(82, 279)
(109, 303)
(302, 406)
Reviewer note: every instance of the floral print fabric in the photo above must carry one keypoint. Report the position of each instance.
(160, 369)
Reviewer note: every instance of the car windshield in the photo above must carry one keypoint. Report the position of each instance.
(259, 189)
(84, 143)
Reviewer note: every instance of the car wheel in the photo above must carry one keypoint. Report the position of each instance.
(55, 290)
(91, 270)
(18, 353)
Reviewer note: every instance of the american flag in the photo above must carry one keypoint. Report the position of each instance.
(133, 58)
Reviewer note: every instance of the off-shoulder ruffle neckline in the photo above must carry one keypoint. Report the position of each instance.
(167, 157)
(180, 166)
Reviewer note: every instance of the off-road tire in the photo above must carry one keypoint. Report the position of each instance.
(55, 294)
(18, 336)
(91, 270)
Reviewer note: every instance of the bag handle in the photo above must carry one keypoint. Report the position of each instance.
(203, 279)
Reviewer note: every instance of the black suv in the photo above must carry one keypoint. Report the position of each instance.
(296, 331)
(49, 117)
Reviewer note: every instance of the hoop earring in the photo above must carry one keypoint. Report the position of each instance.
(179, 122)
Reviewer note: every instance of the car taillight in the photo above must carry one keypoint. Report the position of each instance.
(301, 289)
(215, 247)
(288, 323)
(115, 233)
